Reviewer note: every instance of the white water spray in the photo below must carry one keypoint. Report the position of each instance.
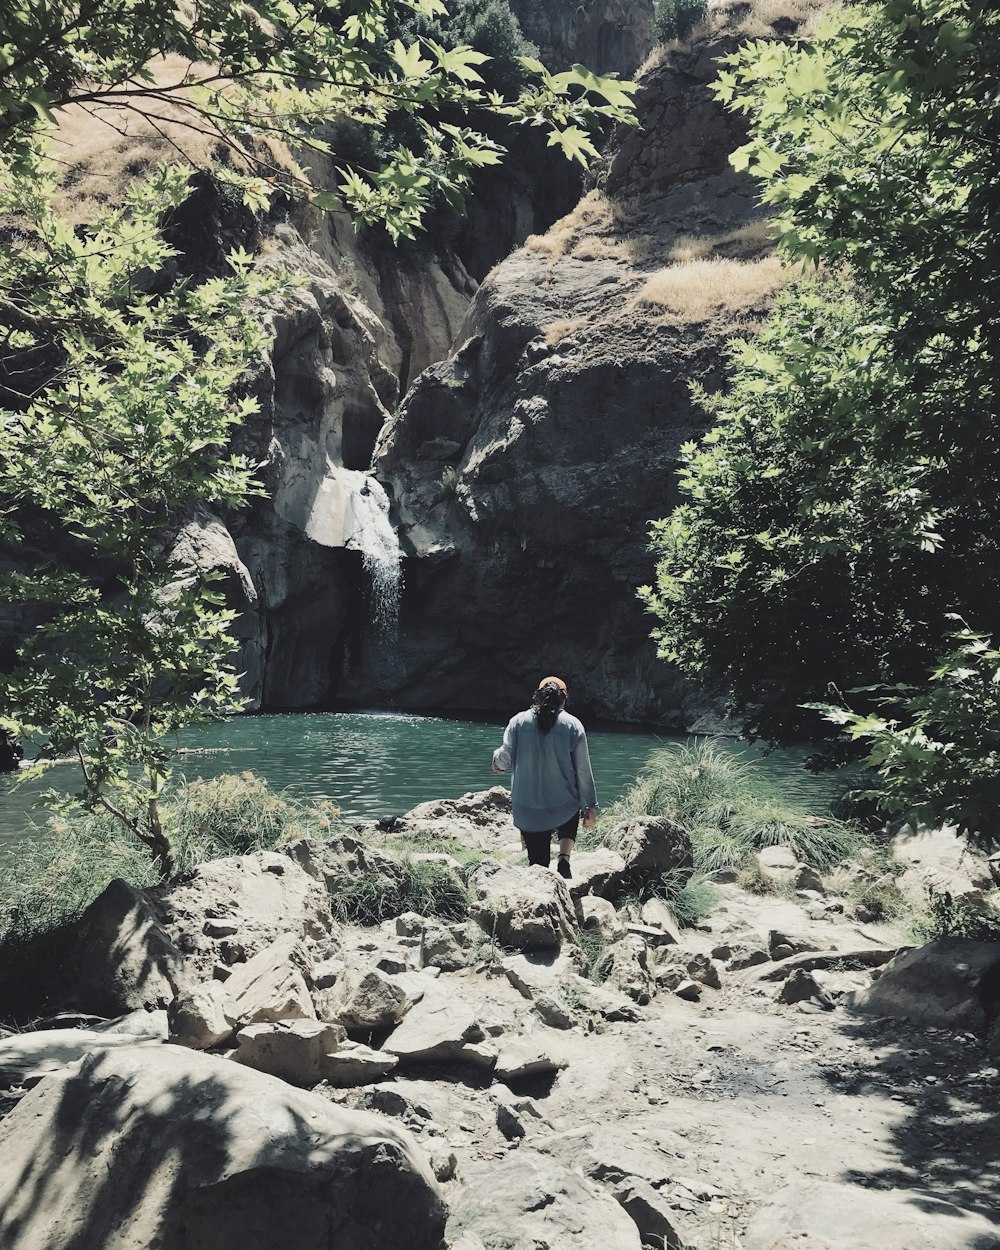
(372, 534)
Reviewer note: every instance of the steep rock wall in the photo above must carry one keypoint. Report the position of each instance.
(527, 466)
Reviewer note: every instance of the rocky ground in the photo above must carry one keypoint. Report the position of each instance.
(558, 1071)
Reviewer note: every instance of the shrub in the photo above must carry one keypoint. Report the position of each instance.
(50, 879)
(424, 887)
(674, 19)
(730, 811)
(951, 915)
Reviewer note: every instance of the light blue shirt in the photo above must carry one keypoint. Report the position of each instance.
(551, 776)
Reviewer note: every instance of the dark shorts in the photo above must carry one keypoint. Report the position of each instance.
(539, 844)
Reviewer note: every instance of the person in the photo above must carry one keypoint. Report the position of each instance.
(552, 785)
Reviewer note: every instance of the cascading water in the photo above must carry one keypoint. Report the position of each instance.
(372, 534)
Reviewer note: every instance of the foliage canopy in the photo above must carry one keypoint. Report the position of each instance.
(121, 382)
(846, 503)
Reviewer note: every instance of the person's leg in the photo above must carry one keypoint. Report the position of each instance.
(567, 840)
(538, 846)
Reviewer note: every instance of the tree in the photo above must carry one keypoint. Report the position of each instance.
(121, 382)
(847, 500)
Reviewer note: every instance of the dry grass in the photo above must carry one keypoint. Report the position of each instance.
(556, 331)
(102, 149)
(597, 228)
(750, 19)
(749, 242)
(699, 289)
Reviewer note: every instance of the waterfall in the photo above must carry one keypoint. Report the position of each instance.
(371, 533)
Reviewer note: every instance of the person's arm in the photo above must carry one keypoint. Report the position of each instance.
(585, 782)
(504, 756)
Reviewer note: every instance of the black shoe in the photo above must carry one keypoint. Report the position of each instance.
(562, 868)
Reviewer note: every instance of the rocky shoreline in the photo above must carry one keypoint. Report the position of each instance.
(225, 1063)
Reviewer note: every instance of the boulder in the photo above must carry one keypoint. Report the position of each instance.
(271, 985)
(825, 1215)
(650, 1212)
(444, 947)
(651, 846)
(600, 871)
(338, 863)
(600, 916)
(527, 1055)
(480, 819)
(531, 1200)
(294, 1050)
(783, 945)
(942, 985)
(440, 1029)
(939, 858)
(26, 1057)
(353, 1063)
(625, 967)
(230, 909)
(526, 908)
(202, 1017)
(367, 1000)
(120, 956)
(534, 973)
(656, 913)
(802, 986)
(166, 1147)
(703, 969)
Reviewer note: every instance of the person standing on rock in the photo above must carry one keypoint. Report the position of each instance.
(552, 785)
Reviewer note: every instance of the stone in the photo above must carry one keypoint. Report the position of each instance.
(338, 862)
(441, 948)
(701, 968)
(599, 872)
(440, 1029)
(294, 1050)
(202, 1017)
(353, 1063)
(650, 1213)
(526, 908)
(626, 967)
(117, 957)
(444, 1163)
(826, 1215)
(168, 1147)
(599, 914)
(27, 1057)
(656, 912)
(777, 940)
(651, 846)
(370, 1000)
(670, 975)
(528, 1199)
(690, 991)
(807, 878)
(938, 985)
(801, 986)
(325, 973)
(744, 956)
(258, 899)
(527, 1055)
(552, 1012)
(652, 935)
(534, 973)
(479, 819)
(861, 957)
(271, 985)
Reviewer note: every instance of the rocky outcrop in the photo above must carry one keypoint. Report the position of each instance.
(605, 35)
(166, 1147)
(527, 466)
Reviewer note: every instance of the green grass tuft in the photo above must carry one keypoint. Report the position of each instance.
(427, 888)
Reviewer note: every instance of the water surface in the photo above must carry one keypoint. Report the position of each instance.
(375, 764)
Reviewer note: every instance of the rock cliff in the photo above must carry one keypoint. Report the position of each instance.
(527, 466)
